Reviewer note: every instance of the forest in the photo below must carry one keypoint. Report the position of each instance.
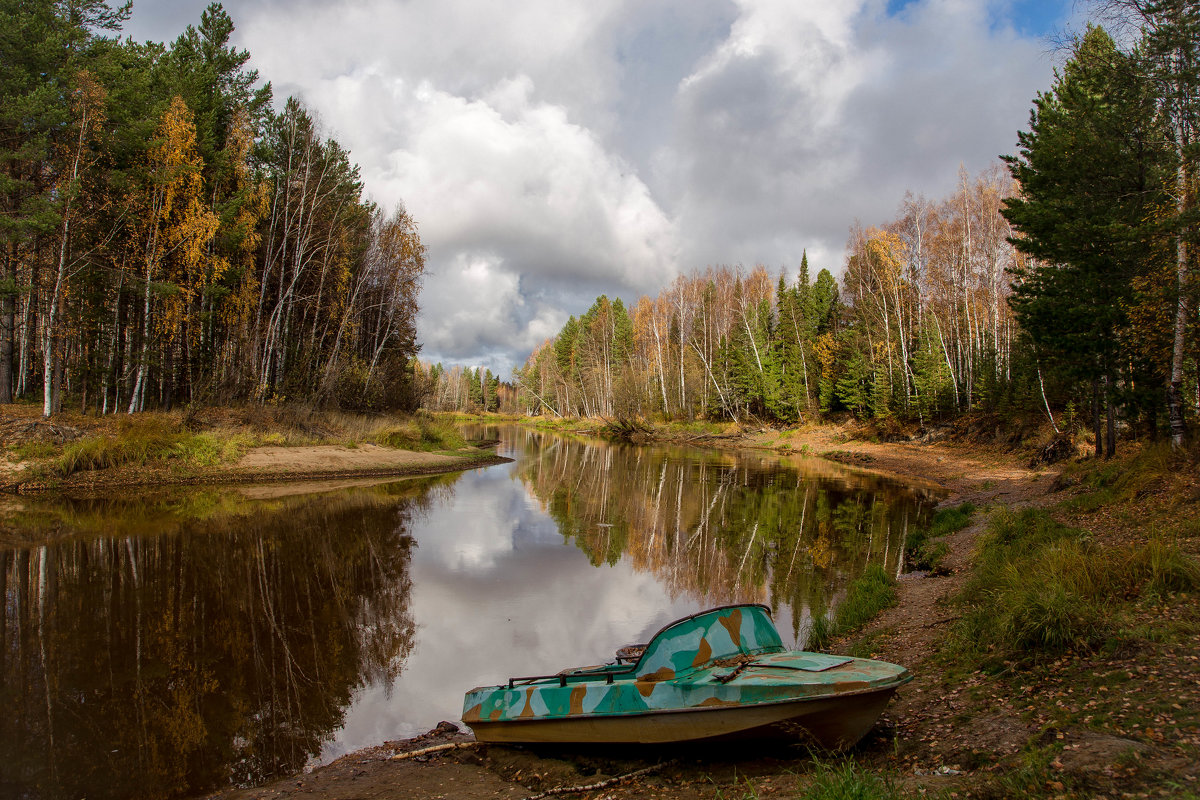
(1058, 283)
(171, 235)
(168, 237)
(918, 325)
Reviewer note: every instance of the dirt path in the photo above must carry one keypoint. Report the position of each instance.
(927, 716)
(923, 712)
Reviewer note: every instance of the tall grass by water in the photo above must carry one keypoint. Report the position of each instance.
(1041, 587)
(422, 432)
(142, 440)
(866, 597)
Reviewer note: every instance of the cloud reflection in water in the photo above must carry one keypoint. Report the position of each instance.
(580, 547)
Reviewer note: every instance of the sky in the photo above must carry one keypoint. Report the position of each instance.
(555, 150)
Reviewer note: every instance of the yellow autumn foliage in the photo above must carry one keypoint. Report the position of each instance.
(178, 224)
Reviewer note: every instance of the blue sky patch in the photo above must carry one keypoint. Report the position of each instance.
(1027, 17)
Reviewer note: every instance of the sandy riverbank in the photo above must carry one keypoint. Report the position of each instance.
(273, 464)
(217, 446)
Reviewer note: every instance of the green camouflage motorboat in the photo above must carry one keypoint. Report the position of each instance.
(722, 673)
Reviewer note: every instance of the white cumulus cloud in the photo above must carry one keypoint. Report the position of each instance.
(553, 150)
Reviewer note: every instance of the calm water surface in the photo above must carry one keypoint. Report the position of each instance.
(167, 643)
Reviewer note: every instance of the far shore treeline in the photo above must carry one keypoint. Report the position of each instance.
(168, 237)
(1058, 285)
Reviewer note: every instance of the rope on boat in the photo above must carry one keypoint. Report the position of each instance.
(602, 784)
(437, 748)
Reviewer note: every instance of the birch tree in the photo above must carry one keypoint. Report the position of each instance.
(175, 226)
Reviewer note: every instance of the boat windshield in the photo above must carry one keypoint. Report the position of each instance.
(699, 640)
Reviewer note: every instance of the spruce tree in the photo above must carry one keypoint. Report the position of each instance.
(825, 303)
(1089, 169)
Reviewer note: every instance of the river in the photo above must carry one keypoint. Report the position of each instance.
(165, 643)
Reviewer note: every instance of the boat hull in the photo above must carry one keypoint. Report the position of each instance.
(830, 723)
(719, 674)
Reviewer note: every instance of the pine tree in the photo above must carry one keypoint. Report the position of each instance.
(46, 48)
(787, 356)
(825, 303)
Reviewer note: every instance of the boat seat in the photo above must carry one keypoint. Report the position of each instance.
(630, 653)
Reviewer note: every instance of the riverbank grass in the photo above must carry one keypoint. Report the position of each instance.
(926, 547)
(422, 432)
(1121, 483)
(146, 439)
(847, 780)
(866, 597)
(1041, 588)
(196, 440)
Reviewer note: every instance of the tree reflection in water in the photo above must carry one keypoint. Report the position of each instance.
(165, 645)
(720, 526)
(224, 647)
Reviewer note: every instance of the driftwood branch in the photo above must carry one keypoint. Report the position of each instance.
(437, 748)
(602, 784)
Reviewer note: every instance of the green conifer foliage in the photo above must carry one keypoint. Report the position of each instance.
(1088, 170)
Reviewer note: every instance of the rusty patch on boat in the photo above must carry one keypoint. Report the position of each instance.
(577, 695)
(644, 689)
(716, 701)
(527, 711)
(733, 624)
(472, 713)
(703, 653)
(660, 674)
